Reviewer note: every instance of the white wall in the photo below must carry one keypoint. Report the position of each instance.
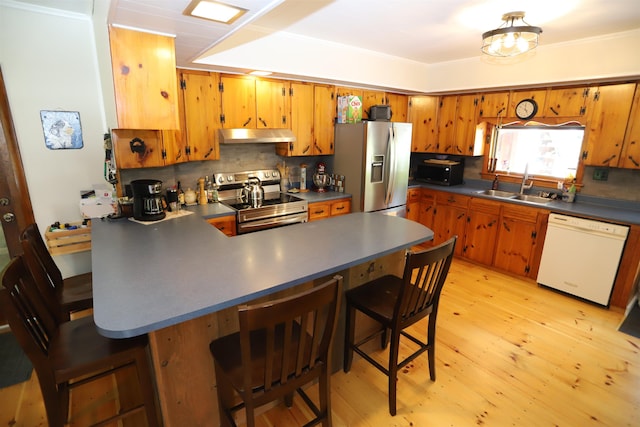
(49, 62)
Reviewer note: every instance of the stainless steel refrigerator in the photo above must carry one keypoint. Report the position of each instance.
(374, 158)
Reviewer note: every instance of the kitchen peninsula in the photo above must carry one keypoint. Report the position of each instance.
(180, 280)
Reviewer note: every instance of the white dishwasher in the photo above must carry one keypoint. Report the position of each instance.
(581, 256)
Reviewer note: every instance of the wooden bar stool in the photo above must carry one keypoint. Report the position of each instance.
(74, 293)
(397, 303)
(281, 346)
(72, 353)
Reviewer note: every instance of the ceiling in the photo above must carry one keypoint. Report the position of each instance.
(426, 31)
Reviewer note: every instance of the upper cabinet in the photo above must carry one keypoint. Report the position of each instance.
(539, 96)
(609, 110)
(199, 118)
(423, 114)
(143, 148)
(631, 147)
(493, 104)
(566, 102)
(252, 103)
(399, 106)
(457, 121)
(313, 110)
(144, 70)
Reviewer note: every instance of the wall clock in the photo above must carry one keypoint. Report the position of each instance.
(526, 109)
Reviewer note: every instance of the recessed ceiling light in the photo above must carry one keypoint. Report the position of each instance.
(260, 73)
(214, 11)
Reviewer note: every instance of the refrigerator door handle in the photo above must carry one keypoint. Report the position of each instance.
(391, 156)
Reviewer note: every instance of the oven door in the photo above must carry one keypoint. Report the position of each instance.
(272, 222)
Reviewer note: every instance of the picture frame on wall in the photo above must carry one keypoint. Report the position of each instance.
(62, 129)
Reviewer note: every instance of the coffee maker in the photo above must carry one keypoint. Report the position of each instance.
(147, 200)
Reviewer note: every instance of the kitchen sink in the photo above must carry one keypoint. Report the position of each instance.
(497, 193)
(531, 199)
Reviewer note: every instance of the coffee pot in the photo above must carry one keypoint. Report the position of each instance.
(253, 193)
(148, 201)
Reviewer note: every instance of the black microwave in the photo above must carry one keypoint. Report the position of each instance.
(441, 172)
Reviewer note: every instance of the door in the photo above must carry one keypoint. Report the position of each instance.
(15, 205)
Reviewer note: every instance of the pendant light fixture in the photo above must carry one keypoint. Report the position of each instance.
(512, 38)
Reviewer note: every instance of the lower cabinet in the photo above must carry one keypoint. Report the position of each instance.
(519, 245)
(226, 224)
(323, 210)
(503, 235)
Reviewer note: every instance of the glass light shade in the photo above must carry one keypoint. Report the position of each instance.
(510, 39)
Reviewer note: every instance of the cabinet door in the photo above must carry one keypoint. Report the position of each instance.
(226, 224)
(349, 91)
(449, 221)
(631, 147)
(540, 96)
(493, 104)
(301, 120)
(482, 230)
(371, 98)
(568, 102)
(319, 210)
(465, 125)
(238, 102)
(446, 124)
(137, 148)
(146, 93)
(413, 204)
(201, 114)
(272, 104)
(514, 247)
(608, 115)
(399, 105)
(423, 114)
(323, 119)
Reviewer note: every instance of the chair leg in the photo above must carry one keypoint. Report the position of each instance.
(288, 399)
(393, 370)
(225, 399)
(325, 396)
(143, 368)
(349, 337)
(431, 343)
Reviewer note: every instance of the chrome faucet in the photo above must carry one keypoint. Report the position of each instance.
(525, 177)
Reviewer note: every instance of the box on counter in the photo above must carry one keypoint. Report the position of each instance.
(97, 202)
(349, 109)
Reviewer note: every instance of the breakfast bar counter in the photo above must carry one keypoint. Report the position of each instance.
(180, 281)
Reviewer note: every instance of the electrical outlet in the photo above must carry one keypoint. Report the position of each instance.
(600, 174)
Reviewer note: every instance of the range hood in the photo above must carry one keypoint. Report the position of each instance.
(255, 136)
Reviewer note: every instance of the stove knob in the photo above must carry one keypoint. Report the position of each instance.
(230, 178)
(267, 174)
(221, 179)
(275, 174)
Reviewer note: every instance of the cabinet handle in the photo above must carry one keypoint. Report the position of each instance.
(554, 111)
(247, 122)
(633, 161)
(262, 121)
(340, 208)
(506, 227)
(208, 153)
(137, 146)
(607, 160)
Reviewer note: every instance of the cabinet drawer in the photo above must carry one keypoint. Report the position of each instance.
(319, 211)
(522, 213)
(226, 224)
(485, 206)
(413, 195)
(443, 198)
(427, 195)
(340, 207)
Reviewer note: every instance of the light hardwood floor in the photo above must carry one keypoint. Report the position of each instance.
(508, 353)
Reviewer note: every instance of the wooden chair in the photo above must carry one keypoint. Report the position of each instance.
(397, 303)
(69, 354)
(281, 346)
(73, 293)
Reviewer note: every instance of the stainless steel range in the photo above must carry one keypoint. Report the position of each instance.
(271, 209)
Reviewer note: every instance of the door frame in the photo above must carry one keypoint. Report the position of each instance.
(13, 183)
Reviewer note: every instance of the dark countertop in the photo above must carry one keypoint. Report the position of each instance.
(147, 277)
(612, 210)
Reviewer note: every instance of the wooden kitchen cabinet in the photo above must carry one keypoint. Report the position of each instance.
(371, 98)
(142, 148)
(423, 114)
(494, 104)
(540, 96)
(565, 102)
(399, 106)
(609, 109)
(450, 218)
(144, 67)
(226, 224)
(199, 118)
(631, 147)
(481, 231)
(329, 208)
(413, 204)
(457, 119)
(324, 113)
(518, 245)
(252, 103)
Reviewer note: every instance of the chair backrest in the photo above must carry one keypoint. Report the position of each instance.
(32, 238)
(30, 321)
(424, 275)
(289, 353)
